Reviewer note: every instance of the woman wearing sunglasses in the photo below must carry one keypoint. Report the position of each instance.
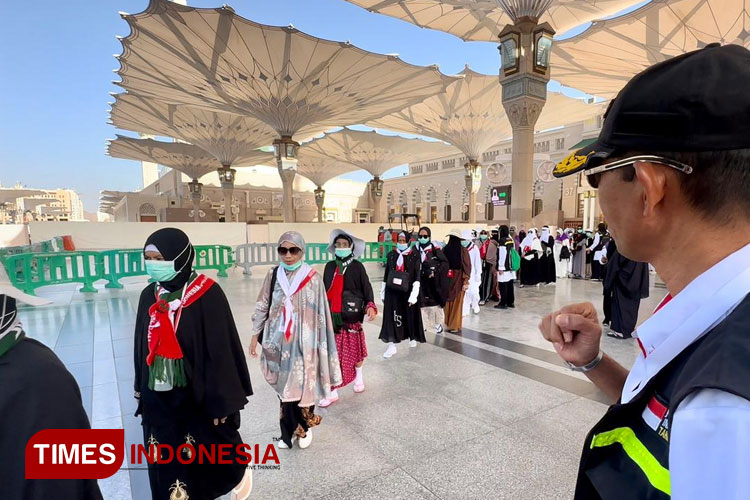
(191, 377)
(351, 299)
(292, 322)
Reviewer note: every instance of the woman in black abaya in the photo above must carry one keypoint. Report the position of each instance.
(191, 377)
(625, 284)
(402, 318)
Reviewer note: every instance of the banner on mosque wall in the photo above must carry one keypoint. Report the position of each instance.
(500, 196)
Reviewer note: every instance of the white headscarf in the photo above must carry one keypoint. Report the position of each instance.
(528, 240)
(545, 234)
(400, 260)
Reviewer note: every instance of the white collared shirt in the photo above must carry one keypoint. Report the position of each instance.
(710, 436)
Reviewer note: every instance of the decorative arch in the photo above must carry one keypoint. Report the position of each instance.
(403, 201)
(147, 213)
(432, 195)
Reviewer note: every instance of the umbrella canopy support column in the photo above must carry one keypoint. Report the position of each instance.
(524, 48)
(376, 191)
(227, 176)
(320, 199)
(196, 189)
(473, 182)
(287, 181)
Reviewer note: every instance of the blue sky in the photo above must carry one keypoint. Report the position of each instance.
(56, 62)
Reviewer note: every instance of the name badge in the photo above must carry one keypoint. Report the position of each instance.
(397, 281)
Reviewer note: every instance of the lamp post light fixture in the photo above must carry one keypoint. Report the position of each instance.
(196, 192)
(320, 198)
(525, 70)
(285, 150)
(376, 191)
(226, 177)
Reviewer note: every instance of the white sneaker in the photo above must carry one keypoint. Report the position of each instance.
(282, 445)
(307, 440)
(476, 310)
(390, 351)
(412, 343)
(438, 329)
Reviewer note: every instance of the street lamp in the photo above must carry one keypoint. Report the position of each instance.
(285, 150)
(226, 177)
(510, 41)
(525, 70)
(542, 47)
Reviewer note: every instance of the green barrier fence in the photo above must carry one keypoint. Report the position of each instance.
(29, 271)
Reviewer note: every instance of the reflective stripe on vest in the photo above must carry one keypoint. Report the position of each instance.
(657, 475)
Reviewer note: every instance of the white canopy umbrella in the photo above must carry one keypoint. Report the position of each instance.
(226, 136)
(376, 153)
(186, 158)
(297, 84)
(482, 20)
(603, 58)
(320, 169)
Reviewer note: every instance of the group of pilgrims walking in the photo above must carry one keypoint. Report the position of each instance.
(191, 375)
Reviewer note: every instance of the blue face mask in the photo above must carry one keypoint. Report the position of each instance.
(343, 253)
(465, 243)
(483, 237)
(424, 241)
(161, 270)
(291, 267)
(402, 246)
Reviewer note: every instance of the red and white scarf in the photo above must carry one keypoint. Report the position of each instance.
(400, 260)
(301, 278)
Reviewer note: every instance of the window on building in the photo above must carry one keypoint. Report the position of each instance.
(447, 213)
(560, 143)
(465, 213)
(537, 208)
(433, 214)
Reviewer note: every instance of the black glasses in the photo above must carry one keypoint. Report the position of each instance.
(294, 251)
(424, 235)
(594, 175)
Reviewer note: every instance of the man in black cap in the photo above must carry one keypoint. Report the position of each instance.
(674, 153)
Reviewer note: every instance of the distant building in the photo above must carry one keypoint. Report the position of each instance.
(436, 188)
(256, 198)
(62, 205)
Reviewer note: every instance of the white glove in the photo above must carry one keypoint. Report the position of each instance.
(382, 291)
(414, 293)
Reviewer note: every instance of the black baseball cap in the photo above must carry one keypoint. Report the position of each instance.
(699, 101)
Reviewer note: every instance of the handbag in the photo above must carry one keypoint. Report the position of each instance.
(398, 281)
(564, 253)
(352, 307)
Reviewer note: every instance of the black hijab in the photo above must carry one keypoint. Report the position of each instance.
(174, 245)
(453, 252)
(429, 233)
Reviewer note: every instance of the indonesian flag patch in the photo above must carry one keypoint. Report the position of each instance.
(656, 416)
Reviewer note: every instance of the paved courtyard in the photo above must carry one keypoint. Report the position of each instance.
(490, 413)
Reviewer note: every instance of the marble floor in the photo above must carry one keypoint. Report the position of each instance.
(489, 413)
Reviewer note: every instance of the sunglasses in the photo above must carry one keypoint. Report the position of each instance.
(294, 251)
(594, 175)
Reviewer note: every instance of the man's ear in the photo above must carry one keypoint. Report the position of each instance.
(654, 181)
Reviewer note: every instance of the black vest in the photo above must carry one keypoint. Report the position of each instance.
(626, 454)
